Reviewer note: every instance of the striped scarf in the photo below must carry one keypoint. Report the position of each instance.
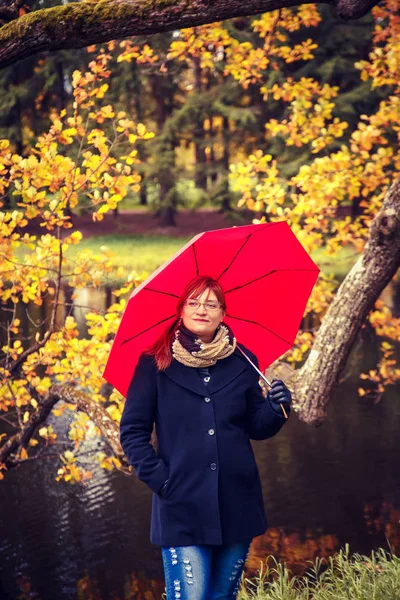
(191, 351)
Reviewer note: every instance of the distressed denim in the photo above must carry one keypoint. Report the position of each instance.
(204, 572)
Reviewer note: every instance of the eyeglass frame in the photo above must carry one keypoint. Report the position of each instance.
(204, 303)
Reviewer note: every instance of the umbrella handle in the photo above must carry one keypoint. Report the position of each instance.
(262, 375)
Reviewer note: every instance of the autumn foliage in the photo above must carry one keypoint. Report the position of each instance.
(99, 170)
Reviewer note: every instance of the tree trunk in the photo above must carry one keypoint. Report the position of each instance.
(139, 96)
(315, 382)
(167, 215)
(81, 24)
(164, 148)
(143, 189)
(356, 209)
(226, 201)
(199, 134)
(211, 167)
(212, 161)
(61, 96)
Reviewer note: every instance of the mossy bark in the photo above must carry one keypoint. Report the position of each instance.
(80, 24)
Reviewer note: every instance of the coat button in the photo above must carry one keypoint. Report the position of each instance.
(211, 431)
(207, 379)
(207, 399)
(213, 466)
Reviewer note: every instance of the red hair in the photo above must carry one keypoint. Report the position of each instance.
(161, 349)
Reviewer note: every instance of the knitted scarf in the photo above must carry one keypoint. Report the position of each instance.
(188, 349)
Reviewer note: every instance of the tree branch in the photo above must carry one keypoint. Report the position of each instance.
(80, 24)
(68, 393)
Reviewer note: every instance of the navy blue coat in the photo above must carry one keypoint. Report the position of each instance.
(213, 494)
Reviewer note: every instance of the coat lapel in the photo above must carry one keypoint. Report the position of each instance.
(222, 373)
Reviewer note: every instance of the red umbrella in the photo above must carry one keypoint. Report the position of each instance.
(267, 277)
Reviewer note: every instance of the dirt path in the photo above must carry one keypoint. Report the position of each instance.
(137, 222)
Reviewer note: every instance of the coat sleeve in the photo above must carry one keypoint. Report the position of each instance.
(136, 426)
(262, 421)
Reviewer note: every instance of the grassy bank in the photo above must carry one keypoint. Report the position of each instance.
(134, 252)
(144, 253)
(342, 577)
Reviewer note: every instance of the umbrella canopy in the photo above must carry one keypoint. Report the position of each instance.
(267, 277)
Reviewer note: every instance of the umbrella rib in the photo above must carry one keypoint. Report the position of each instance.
(265, 275)
(195, 259)
(263, 326)
(234, 258)
(161, 292)
(145, 330)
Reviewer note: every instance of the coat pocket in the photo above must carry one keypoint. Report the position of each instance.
(175, 484)
(167, 488)
(163, 489)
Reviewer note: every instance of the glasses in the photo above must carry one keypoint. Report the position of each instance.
(194, 305)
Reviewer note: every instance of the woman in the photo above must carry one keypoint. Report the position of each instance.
(206, 402)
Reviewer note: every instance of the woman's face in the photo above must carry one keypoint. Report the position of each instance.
(201, 321)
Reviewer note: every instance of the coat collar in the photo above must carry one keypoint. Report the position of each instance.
(222, 373)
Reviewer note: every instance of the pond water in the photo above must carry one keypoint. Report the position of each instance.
(323, 487)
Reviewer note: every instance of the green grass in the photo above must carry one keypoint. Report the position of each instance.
(341, 577)
(138, 253)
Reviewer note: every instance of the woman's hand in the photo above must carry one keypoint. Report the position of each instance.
(278, 394)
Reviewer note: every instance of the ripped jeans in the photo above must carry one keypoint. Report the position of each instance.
(204, 572)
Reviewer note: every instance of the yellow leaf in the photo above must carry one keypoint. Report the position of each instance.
(103, 209)
(141, 129)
